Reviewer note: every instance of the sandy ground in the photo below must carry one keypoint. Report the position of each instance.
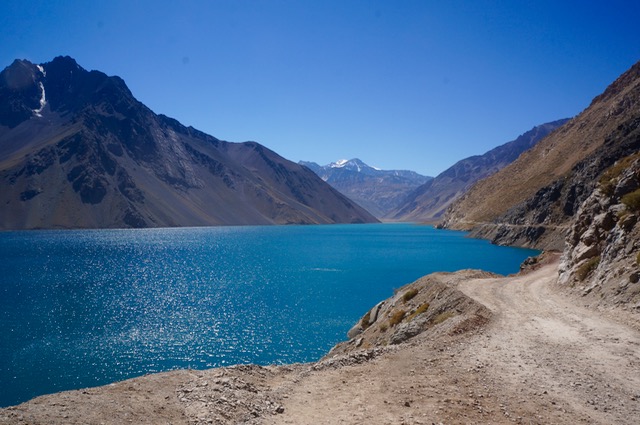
(542, 359)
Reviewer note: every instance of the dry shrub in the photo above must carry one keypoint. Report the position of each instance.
(423, 307)
(442, 317)
(409, 295)
(586, 269)
(397, 317)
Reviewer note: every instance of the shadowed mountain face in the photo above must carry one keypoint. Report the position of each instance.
(533, 201)
(429, 202)
(77, 150)
(379, 191)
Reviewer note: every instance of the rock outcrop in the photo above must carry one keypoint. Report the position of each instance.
(602, 254)
(421, 307)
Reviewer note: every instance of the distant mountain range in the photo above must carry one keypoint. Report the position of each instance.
(429, 202)
(77, 150)
(378, 191)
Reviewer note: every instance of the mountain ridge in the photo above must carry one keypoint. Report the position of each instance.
(91, 155)
(547, 183)
(429, 202)
(378, 191)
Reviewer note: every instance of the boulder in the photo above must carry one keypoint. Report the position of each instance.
(406, 331)
(355, 331)
(583, 252)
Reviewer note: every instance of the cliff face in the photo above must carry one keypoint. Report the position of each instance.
(77, 150)
(601, 258)
(533, 201)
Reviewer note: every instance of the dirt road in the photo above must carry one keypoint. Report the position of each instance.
(541, 360)
(552, 354)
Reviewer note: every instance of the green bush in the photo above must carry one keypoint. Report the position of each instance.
(409, 295)
(632, 200)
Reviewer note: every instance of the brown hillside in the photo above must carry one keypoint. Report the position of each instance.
(552, 158)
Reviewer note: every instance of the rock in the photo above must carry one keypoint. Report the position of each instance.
(634, 277)
(628, 222)
(355, 331)
(406, 331)
(628, 183)
(605, 221)
(590, 237)
(528, 262)
(583, 252)
(373, 316)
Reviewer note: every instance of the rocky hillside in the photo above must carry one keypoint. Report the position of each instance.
(429, 201)
(602, 253)
(532, 201)
(378, 191)
(416, 309)
(77, 150)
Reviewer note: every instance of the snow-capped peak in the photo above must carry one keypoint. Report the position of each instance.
(339, 163)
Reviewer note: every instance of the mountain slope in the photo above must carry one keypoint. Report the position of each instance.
(430, 201)
(379, 191)
(77, 150)
(533, 200)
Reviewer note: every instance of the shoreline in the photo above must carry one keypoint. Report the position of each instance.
(510, 353)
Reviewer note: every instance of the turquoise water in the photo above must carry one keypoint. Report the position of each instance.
(86, 308)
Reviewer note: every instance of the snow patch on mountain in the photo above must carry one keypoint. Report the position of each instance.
(43, 100)
(339, 163)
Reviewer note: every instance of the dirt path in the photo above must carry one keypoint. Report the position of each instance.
(540, 360)
(555, 354)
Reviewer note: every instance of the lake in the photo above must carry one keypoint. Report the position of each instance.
(86, 308)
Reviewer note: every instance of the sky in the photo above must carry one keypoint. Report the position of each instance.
(399, 84)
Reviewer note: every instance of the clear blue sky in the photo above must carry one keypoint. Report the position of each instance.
(400, 84)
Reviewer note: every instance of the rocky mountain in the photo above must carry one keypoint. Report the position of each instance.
(533, 201)
(577, 191)
(77, 150)
(429, 201)
(378, 191)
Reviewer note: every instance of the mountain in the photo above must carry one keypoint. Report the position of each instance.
(532, 201)
(77, 150)
(429, 201)
(378, 191)
(577, 191)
